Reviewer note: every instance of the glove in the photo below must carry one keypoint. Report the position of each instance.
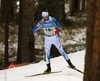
(57, 31)
(35, 34)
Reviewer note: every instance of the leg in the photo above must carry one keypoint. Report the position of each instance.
(66, 57)
(47, 51)
(63, 53)
(60, 49)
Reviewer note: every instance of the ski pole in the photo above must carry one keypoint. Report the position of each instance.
(70, 39)
(64, 38)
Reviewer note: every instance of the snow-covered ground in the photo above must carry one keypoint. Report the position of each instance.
(57, 64)
(78, 34)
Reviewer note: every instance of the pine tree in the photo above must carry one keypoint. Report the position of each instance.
(7, 19)
(54, 7)
(74, 6)
(83, 5)
(57, 10)
(26, 37)
(92, 58)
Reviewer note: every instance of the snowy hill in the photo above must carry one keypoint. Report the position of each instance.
(57, 64)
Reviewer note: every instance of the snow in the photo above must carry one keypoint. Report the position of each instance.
(1, 48)
(57, 64)
(74, 34)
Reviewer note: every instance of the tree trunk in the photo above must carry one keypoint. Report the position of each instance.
(92, 58)
(57, 10)
(96, 44)
(89, 42)
(2, 11)
(83, 5)
(19, 51)
(42, 5)
(74, 6)
(6, 40)
(26, 38)
(54, 7)
(7, 14)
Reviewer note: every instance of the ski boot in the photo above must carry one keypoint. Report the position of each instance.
(70, 64)
(48, 69)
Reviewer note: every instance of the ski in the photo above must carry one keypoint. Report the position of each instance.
(76, 69)
(43, 74)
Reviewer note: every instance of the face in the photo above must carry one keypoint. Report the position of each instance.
(46, 18)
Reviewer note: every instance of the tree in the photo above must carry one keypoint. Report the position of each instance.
(19, 52)
(42, 5)
(92, 58)
(7, 13)
(0, 8)
(7, 19)
(89, 44)
(26, 38)
(74, 6)
(83, 5)
(54, 7)
(2, 11)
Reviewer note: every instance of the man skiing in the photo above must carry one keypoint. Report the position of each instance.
(51, 29)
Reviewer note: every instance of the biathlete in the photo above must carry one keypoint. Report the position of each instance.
(51, 29)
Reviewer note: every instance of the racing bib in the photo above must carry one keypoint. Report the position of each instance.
(49, 30)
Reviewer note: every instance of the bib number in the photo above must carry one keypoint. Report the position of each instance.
(49, 30)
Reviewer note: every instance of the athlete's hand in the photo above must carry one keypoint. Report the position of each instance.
(35, 34)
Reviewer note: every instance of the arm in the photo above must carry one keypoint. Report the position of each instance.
(37, 26)
(58, 25)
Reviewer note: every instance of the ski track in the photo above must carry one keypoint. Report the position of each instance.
(57, 64)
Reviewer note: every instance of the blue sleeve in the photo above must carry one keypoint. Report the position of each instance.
(55, 21)
(37, 26)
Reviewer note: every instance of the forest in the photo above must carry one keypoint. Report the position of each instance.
(80, 22)
(17, 14)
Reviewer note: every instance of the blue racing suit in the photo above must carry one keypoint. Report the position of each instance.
(50, 36)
